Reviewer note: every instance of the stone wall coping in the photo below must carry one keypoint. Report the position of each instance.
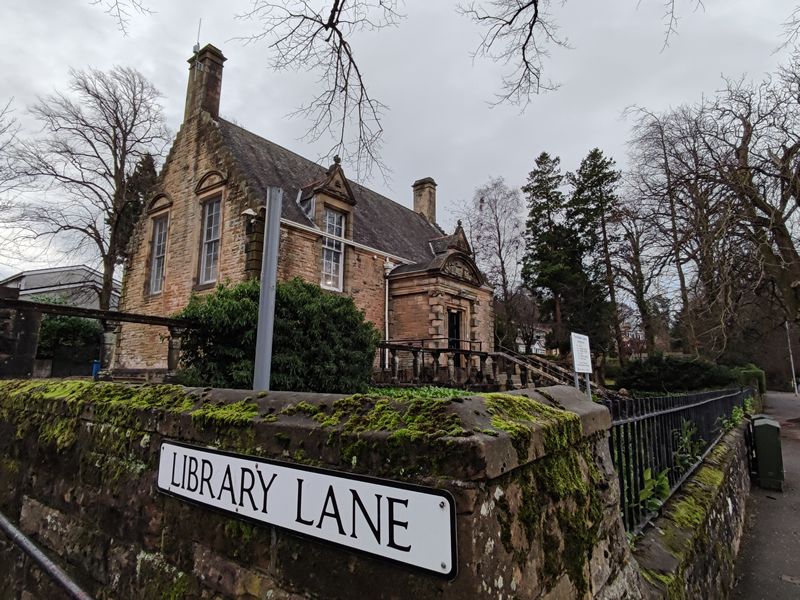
(462, 438)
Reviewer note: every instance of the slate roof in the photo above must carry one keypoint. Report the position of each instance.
(78, 285)
(378, 222)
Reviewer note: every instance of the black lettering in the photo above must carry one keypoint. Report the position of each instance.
(298, 518)
(330, 498)
(191, 476)
(246, 490)
(265, 488)
(376, 529)
(227, 484)
(183, 472)
(172, 479)
(206, 479)
(393, 522)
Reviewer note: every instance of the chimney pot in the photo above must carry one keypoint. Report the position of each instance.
(205, 82)
(425, 198)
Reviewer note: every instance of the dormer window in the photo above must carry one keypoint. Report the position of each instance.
(333, 251)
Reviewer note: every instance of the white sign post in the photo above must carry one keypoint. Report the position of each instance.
(396, 521)
(582, 360)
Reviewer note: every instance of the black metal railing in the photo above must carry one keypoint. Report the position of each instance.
(656, 443)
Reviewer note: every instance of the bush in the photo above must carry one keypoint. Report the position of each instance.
(659, 373)
(321, 341)
(751, 375)
(68, 336)
(612, 368)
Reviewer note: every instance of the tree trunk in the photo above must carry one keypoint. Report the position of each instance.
(612, 292)
(107, 288)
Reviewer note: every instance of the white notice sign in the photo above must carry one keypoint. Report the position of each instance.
(581, 354)
(396, 521)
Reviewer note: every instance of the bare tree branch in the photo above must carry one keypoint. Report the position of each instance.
(122, 11)
(518, 34)
(83, 167)
(320, 41)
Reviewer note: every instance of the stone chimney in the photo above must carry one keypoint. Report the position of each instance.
(205, 82)
(425, 198)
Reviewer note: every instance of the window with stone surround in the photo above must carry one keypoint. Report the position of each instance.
(209, 248)
(158, 253)
(333, 251)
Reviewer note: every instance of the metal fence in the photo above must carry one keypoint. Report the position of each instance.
(656, 443)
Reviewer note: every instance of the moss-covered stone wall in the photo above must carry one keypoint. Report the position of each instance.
(691, 550)
(536, 496)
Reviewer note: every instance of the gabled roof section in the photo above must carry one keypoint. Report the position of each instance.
(378, 222)
(456, 241)
(452, 263)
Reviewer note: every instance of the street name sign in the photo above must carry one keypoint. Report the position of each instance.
(400, 522)
(581, 354)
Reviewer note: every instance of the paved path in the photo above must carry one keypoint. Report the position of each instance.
(768, 566)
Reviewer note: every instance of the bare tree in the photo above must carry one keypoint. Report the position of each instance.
(495, 229)
(304, 36)
(9, 175)
(91, 143)
(752, 141)
(639, 264)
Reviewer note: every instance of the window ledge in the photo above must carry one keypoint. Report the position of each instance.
(198, 287)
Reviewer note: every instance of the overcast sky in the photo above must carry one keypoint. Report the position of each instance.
(439, 124)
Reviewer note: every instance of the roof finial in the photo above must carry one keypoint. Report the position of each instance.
(459, 223)
(337, 160)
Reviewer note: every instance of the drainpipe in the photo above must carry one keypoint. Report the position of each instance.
(387, 268)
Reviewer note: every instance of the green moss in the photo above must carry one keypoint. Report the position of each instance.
(241, 534)
(519, 416)
(35, 401)
(561, 510)
(178, 590)
(9, 466)
(410, 393)
(60, 432)
(687, 512)
(404, 418)
(709, 476)
(302, 407)
(236, 414)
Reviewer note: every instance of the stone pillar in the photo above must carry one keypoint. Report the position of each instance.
(174, 352)
(109, 338)
(19, 339)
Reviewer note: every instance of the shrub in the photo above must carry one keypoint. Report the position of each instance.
(68, 336)
(659, 373)
(321, 341)
(751, 375)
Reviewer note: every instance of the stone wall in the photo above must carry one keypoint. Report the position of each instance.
(193, 173)
(691, 550)
(536, 496)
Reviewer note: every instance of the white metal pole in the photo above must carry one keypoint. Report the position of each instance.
(791, 358)
(266, 300)
(589, 386)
